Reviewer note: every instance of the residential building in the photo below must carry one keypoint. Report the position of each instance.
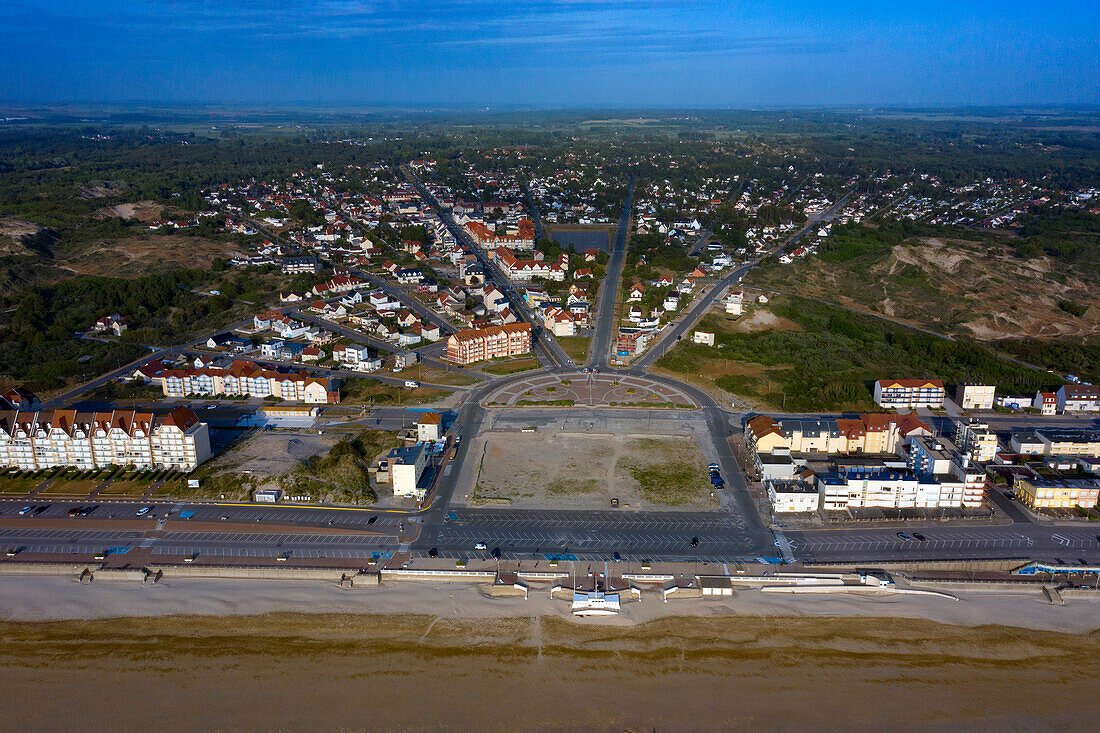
(248, 379)
(793, 496)
(909, 393)
(299, 265)
(31, 441)
(1079, 398)
(1046, 403)
(406, 466)
(631, 341)
(703, 337)
(428, 426)
(975, 396)
(1048, 489)
(976, 441)
(735, 303)
(479, 344)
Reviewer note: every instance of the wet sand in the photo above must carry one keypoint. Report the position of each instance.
(371, 672)
(205, 654)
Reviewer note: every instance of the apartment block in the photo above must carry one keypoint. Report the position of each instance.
(793, 496)
(246, 378)
(909, 393)
(479, 344)
(1079, 398)
(975, 396)
(31, 441)
(976, 441)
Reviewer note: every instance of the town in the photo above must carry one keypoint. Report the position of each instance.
(466, 342)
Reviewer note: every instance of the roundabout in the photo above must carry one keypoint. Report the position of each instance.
(617, 389)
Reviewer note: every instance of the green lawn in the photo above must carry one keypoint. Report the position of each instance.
(576, 347)
(356, 391)
(511, 367)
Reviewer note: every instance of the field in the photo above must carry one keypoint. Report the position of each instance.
(144, 254)
(585, 471)
(435, 375)
(977, 289)
(511, 367)
(807, 356)
(367, 391)
(576, 347)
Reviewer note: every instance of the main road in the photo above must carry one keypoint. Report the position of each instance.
(543, 343)
(599, 351)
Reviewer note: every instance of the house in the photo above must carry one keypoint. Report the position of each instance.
(478, 344)
(634, 313)
(299, 265)
(351, 354)
(312, 353)
(637, 290)
(975, 396)
(583, 273)
(1046, 403)
(272, 349)
(428, 426)
(672, 301)
(703, 337)
(558, 321)
(909, 393)
(735, 303)
(1079, 398)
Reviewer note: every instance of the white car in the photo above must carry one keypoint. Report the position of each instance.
(25, 510)
(411, 384)
(479, 546)
(144, 510)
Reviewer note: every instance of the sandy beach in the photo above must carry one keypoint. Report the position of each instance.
(230, 655)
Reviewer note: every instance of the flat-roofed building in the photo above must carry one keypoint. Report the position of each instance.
(793, 496)
(975, 396)
(406, 465)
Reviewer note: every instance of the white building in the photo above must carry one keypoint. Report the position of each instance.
(428, 427)
(31, 441)
(735, 303)
(703, 337)
(909, 393)
(975, 396)
(793, 496)
(406, 467)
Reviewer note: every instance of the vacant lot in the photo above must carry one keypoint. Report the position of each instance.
(584, 471)
(147, 253)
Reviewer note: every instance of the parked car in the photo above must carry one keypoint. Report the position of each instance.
(903, 536)
(479, 546)
(144, 510)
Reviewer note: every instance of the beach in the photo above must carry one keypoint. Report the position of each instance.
(229, 655)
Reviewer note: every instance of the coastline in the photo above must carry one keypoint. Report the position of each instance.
(371, 671)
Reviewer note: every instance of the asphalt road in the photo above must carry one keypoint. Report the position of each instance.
(409, 302)
(599, 352)
(543, 343)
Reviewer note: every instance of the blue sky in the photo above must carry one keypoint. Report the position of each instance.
(564, 53)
